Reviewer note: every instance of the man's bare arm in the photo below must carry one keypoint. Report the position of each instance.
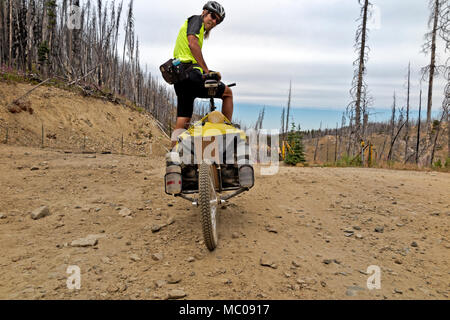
(197, 52)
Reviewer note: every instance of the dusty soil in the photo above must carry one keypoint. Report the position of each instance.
(315, 227)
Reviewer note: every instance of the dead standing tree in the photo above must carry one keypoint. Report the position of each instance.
(437, 124)
(285, 117)
(446, 105)
(367, 101)
(38, 38)
(407, 114)
(392, 127)
(341, 132)
(128, 42)
(358, 84)
(429, 47)
(317, 141)
(336, 143)
(445, 35)
(399, 126)
(282, 123)
(350, 132)
(258, 127)
(288, 110)
(10, 31)
(418, 127)
(439, 24)
(260, 120)
(444, 31)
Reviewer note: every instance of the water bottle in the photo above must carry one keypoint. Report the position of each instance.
(173, 158)
(173, 179)
(176, 62)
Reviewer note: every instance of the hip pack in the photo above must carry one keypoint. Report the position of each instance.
(175, 73)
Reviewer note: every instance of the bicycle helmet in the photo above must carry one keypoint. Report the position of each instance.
(215, 7)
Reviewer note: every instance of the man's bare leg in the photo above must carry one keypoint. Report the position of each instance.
(227, 104)
(181, 125)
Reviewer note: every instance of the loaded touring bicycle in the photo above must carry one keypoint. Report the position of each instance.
(210, 165)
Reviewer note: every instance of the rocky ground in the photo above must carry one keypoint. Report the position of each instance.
(304, 233)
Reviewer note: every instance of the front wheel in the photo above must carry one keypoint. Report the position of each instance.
(208, 202)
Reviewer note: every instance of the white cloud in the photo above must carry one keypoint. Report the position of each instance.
(262, 45)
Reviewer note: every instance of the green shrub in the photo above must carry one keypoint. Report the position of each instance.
(43, 52)
(347, 161)
(447, 163)
(356, 161)
(437, 164)
(344, 161)
(11, 77)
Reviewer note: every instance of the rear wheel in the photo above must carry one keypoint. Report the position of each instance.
(208, 202)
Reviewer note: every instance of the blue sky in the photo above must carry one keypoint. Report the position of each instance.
(310, 118)
(262, 45)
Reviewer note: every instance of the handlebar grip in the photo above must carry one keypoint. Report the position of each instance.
(231, 85)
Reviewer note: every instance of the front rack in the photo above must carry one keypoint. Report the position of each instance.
(222, 199)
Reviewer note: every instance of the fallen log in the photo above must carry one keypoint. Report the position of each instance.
(27, 93)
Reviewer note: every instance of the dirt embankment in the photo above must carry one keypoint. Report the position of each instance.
(68, 121)
(304, 233)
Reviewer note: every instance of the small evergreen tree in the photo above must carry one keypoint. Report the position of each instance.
(295, 140)
(43, 52)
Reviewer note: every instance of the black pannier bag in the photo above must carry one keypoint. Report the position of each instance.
(173, 74)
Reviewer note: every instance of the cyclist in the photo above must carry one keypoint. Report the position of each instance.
(188, 49)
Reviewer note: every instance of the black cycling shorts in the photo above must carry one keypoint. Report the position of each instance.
(191, 88)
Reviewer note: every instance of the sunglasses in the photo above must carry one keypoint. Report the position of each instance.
(214, 16)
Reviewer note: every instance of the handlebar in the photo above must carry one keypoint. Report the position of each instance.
(212, 85)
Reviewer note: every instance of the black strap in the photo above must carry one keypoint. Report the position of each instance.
(188, 66)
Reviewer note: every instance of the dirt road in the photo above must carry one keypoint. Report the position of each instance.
(305, 233)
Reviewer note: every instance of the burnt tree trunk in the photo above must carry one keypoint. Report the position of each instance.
(30, 21)
(288, 110)
(361, 73)
(10, 32)
(436, 137)
(2, 34)
(407, 114)
(392, 130)
(317, 143)
(432, 64)
(418, 128)
(336, 143)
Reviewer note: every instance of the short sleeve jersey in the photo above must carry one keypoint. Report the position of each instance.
(193, 25)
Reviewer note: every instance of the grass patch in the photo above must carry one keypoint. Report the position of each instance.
(347, 161)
